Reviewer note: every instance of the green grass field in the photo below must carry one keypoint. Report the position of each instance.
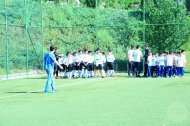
(118, 101)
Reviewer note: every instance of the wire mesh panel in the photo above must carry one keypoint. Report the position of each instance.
(2, 50)
(2, 11)
(29, 27)
(15, 47)
(35, 49)
(70, 39)
(16, 50)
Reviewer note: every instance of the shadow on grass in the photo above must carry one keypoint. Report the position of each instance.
(37, 78)
(23, 92)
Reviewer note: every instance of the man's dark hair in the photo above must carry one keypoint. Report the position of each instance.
(89, 52)
(132, 47)
(85, 50)
(138, 46)
(52, 48)
(182, 51)
(74, 53)
(68, 53)
(98, 49)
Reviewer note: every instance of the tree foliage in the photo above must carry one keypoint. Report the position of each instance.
(168, 30)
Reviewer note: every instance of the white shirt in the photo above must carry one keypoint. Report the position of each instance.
(175, 60)
(103, 58)
(68, 60)
(161, 60)
(180, 61)
(60, 61)
(137, 55)
(110, 58)
(76, 59)
(91, 59)
(81, 57)
(85, 58)
(154, 61)
(170, 60)
(149, 60)
(131, 55)
(183, 55)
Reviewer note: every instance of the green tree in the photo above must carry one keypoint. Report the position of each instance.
(165, 34)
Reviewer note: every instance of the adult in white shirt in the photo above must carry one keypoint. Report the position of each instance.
(131, 61)
(137, 60)
(110, 60)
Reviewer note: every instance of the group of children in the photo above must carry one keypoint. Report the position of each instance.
(85, 64)
(168, 64)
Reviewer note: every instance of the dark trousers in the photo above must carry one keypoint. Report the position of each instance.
(154, 71)
(55, 70)
(137, 68)
(130, 68)
(145, 69)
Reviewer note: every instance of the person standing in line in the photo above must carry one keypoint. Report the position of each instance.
(110, 60)
(49, 61)
(104, 63)
(131, 61)
(81, 68)
(76, 64)
(56, 70)
(170, 62)
(154, 65)
(91, 64)
(146, 53)
(184, 56)
(85, 62)
(181, 62)
(137, 60)
(161, 61)
(68, 62)
(149, 61)
(98, 63)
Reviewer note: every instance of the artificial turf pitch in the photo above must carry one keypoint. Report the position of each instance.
(118, 101)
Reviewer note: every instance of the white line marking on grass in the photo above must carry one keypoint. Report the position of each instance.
(30, 92)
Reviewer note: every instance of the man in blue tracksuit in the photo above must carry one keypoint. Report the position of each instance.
(49, 61)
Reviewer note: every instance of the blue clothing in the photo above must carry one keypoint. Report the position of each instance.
(170, 71)
(180, 71)
(149, 71)
(50, 80)
(161, 71)
(49, 61)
